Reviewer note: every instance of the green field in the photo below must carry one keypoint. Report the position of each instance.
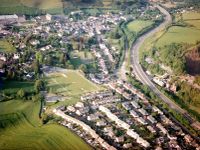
(71, 84)
(28, 7)
(177, 34)
(11, 87)
(139, 25)
(6, 47)
(21, 128)
(78, 58)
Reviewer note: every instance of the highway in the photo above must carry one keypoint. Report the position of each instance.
(143, 77)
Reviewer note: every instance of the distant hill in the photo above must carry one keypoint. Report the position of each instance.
(36, 7)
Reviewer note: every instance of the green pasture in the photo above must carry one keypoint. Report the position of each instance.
(71, 84)
(21, 128)
(139, 25)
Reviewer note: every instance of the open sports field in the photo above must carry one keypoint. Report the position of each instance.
(70, 84)
(139, 25)
(21, 128)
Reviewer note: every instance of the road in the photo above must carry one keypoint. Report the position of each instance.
(143, 77)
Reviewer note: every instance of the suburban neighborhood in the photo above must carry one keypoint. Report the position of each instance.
(97, 78)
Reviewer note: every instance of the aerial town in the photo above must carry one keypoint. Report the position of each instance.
(105, 75)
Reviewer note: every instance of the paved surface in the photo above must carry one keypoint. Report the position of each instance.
(141, 75)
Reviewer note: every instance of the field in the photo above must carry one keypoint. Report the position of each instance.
(17, 6)
(78, 58)
(51, 6)
(189, 34)
(138, 25)
(21, 128)
(11, 87)
(6, 47)
(179, 35)
(71, 84)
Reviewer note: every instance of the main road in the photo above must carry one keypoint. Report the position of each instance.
(143, 77)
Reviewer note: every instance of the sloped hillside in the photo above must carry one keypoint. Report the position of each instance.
(193, 61)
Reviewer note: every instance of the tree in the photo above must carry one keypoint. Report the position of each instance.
(39, 57)
(83, 68)
(49, 60)
(36, 67)
(37, 97)
(39, 85)
(21, 93)
(62, 58)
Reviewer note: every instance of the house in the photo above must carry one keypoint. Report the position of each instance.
(163, 130)
(151, 119)
(119, 90)
(119, 139)
(134, 114)
(79, 105)
(188, 138)
(3, 58)
(126, 106)
(101, 123)
(151, 129)
(92, 117)
(135, 104)
(132, 134)
(127, 145)
(127, 96)
(108, 129)
(34, 42)
(159, 82)
(16, 56)
(46, 17)
(71, 108)
(141, 120)
(156, 109)
(82, 111)
(143, 142)
(142, 111)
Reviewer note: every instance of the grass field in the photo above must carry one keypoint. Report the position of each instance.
(50, 6)
(21, 128)
(138, 25)
(6, 47)
(11, 87)
(189, 34)
(179, 35)
(71, 84)
(78, 58)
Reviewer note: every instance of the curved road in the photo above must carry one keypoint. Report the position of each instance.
(141, 75)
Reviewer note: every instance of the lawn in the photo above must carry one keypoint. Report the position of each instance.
(21, 128)
(6, 47)
(71, 84)
(139, 25)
